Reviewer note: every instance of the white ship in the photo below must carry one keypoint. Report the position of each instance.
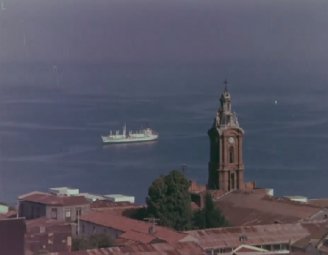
(143, 135)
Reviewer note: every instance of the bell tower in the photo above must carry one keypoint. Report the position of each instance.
(226, 167)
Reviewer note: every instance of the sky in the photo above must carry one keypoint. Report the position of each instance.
(154, 31)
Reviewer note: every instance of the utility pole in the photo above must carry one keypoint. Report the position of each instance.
(184, 168)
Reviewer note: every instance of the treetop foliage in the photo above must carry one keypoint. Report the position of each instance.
(169, 201)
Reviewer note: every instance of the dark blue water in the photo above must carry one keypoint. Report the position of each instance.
(72, 70)
(50, 136)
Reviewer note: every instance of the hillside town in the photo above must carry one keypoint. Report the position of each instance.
(259, 222)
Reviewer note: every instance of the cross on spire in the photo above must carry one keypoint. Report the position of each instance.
(225, 85)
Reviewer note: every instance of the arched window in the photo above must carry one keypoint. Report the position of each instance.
(231, 155)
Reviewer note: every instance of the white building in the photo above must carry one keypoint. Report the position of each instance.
(120, 198)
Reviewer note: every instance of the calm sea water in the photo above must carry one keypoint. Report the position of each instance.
(72, 70)
(50, 135)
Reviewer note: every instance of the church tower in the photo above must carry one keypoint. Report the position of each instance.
(226, 167)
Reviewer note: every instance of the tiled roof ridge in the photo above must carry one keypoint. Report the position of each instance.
(266, 197)
(51, 199)
(288, 201)
(243, 227)
(21, 197)
(130, 226)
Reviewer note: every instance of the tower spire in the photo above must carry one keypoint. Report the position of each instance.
(226, 167)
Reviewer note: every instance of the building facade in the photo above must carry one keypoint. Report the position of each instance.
(226, 166)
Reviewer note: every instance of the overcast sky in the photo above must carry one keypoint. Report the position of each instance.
(156, 31)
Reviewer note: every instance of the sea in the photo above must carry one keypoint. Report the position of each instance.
(54, 107)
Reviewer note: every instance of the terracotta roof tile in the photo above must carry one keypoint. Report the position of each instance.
(196, 187)
(49, 199)
(232, 237)
(317, 232)
(133, 229)
(242, 208)
(144, 249)
(323, 202)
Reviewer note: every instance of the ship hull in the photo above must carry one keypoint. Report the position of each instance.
(105, 140)
(144, 135)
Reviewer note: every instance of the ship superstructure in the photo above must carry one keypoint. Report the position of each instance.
(130, 136)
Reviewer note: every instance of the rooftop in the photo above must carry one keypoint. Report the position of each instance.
(133, 229)
(120, 198)
(321, 202)
(233, 237)
(50, 199)
(144, 249)
(254, 208)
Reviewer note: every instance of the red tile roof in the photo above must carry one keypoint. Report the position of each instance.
(233, 237)
(196, 187)
(144, 249)
(241, 208)
(118, 208)
(133, 229)
(317, 233)
(50, 199)
(323, 202)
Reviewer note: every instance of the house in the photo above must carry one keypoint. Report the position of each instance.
(272, 238)
(12, 233)
(47, 235)
(314, 243)
(38, 204)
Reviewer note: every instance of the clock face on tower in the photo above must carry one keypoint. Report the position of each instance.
(231, 140)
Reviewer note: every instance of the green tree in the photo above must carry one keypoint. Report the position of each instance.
(209, 216)
(169, 201)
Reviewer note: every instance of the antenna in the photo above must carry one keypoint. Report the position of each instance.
(184, 168)
(55, 70)
(152, 221)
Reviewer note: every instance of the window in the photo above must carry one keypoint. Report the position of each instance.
(267, 247)
(67, 214)
(54, 213)
(231, 155)
(78, 212)
(38, 211)
(276, 247)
